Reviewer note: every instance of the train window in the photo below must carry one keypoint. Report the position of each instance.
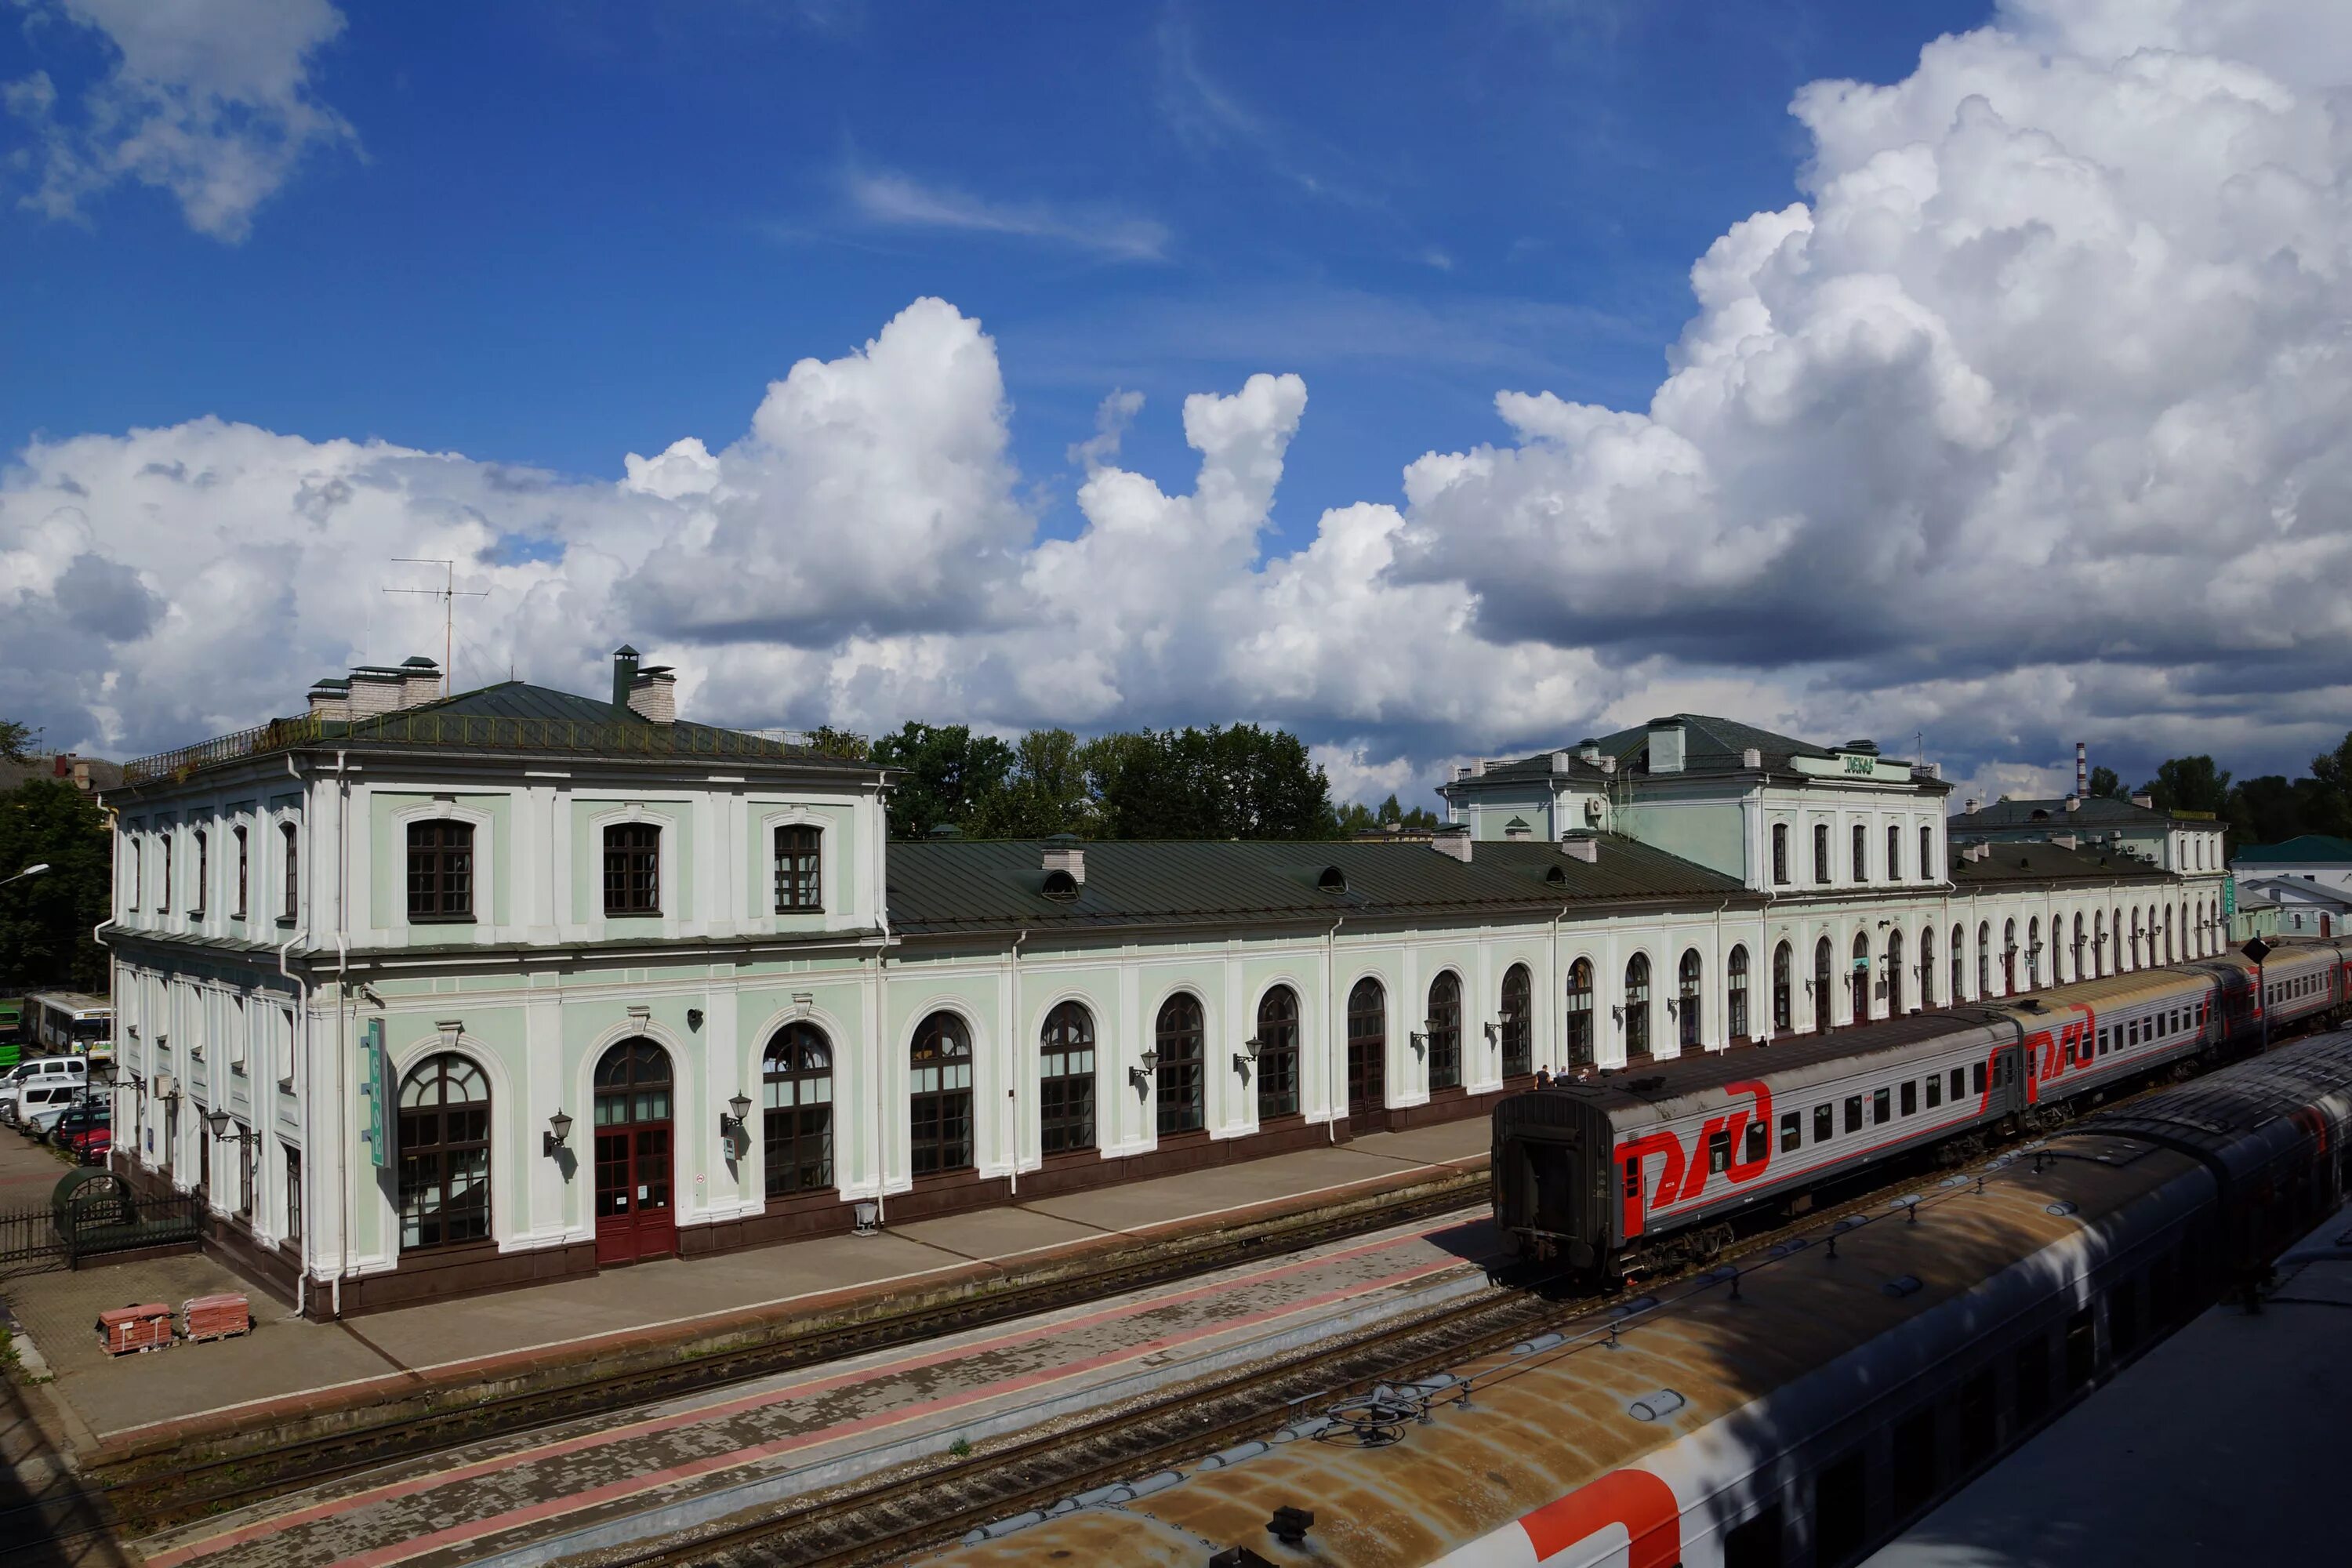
(2082, 1347)
(2103, 1042)
(1839, 1497)
(1910, 1098)
(1881, 1106)
(1979, 1432)
(1755, 1544)
(2123, 1319)
(1914, 1461)
(1719, 1152)
(2204, 1011)
(1854, 1114)
(2070, 1051)
(1756, 1140)
(1977, 1078)
(1934, 1091)
(2032, 1380)
(1960, 1084)
(1792, 1130)
(1824, 1127)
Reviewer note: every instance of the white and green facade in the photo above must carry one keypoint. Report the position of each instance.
(631, 985)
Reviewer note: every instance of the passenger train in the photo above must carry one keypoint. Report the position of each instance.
(1800, 1407)
(1636, 1171)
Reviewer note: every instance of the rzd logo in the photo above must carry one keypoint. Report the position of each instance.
(1687, 1173)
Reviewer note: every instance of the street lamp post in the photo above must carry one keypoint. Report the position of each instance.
(28, 871)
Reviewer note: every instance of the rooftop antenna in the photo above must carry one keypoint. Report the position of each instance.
(449, 593)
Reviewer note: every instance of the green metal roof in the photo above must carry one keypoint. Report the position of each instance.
(2095, 811)
(1710, 745)
(939, 888)
(2040, 862)
(2308, 849)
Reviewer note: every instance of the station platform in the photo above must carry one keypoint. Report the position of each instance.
(292, 1377)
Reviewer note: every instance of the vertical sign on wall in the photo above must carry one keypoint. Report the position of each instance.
(372, 1085)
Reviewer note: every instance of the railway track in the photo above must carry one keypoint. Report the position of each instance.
(884, 1518)
(154, 1493)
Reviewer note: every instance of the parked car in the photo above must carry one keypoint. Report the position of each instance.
(41, 1073)
(38, 1105)
(90, 1144)
(89, 1113)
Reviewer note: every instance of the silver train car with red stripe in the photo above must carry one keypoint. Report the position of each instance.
(1647, 1169)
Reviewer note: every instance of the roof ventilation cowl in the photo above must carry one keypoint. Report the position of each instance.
(1452, 841)
(1751, 759)
(1581, 847)
(1590, 750)
(1666, 745)
(1070, 859)
(1561, 762)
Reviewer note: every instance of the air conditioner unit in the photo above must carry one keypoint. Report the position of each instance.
(166, 1086)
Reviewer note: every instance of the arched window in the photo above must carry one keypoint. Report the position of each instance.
(1735, 992)
(204, 874)
(1368, 1048)
(1637, 1005)
(1277, 1053)
(1517, 1022)
(1984, 960)
(1959, 965)
(2098, 941)
(132, 842)
(1445, 1031)
(1579, 1014)
(1893, 853)
(1861, 854)
(1065, 1080)
(445, 1152)
(1926, 966)
(796, 1110)
(1858, 977)
(2167, 933)
(1894, 975)
(1821, 853)
(165, 841)
(1784, 980)
(244, 884)
(938, 1101)
(1181, 1040)
(2008, 957)
(2135, 939)
(2081, 948)
(1686, 1008)
(799, 887)
(1825, 961)
(1780, 854)
(634, 1170)
(2033, 953)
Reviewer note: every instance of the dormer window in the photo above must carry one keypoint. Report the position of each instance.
(1061, 887)
(1332, 880)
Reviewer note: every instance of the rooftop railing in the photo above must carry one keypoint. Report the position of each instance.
(487, 732)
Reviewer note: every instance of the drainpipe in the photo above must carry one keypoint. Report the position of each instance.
(1012, 1049)
(1335, 1085)
(1556, 1007)
(881, 1163)
(343, 1024)
(309, 1133)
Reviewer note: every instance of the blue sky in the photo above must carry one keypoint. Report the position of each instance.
(1492, 375)
(564, 231)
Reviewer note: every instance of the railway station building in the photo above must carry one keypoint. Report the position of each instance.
(435, 994)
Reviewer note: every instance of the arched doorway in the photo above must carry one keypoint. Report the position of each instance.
(1860, 977)
(1368, 1046)
(1894, 975)
(633, 1218)
(1823, 960)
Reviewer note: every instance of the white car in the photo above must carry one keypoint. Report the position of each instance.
(39, 1104)
(41, 1073)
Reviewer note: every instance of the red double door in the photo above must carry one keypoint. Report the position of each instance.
(634, 1217)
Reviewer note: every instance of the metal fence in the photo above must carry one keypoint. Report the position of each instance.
(33, 1239)
(29, 1240)
(426, 728)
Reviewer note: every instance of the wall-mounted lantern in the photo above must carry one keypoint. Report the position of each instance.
(731, 1126)
(1140, 1074)
(559, 1130)
(1245, 1056)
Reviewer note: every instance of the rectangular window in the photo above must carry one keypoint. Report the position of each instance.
(1755, 1140)
(2123, 1319)
(294, 1197)
(2082, 1349)
(440, 870)
(1934, 1091)
(1927, 854)
(2032, 1380)
(633, 869)
(1821, 853)
(1065, 1097)
(164, 842)
(1914, 1462)
(1854, 1114)
(1824, 1124)
(1960, 1084)
(1839, 1498)
(204, 873)
(1793, 1132)
(1756, 1543)
(1882, 1108)
(1861, 854)
(2160, 1276)
(243, 873)
(286, 1049)
(237, 1039)
(288, 843)
(1781, 853)
(131, 842)
(1719, 1152)
(1894, 854)
(1910, 1098)
(2103, 1040)
(1980, 1419)
(798, 889)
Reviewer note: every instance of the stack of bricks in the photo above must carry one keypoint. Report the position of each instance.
(215, 1317)
(142, 1327)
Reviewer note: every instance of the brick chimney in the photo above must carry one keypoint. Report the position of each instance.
(332, 698)
(375, 689)
(653, 694)
(420, 681)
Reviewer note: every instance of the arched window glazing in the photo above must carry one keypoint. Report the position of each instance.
(1735, 993)
(1825, 964)
(1688, 980)
(1637, 1004)
(939, 1100)
(1517, 1022)
(445, 1152)
(1858, 977)
(1278, 1053)
(1181, 1041)
(1445, 1031)
(1367, 1046)
(1579, 1014)
(1784, 980)
(1065, 1080)
(796, 1110)
(1894, 975)
(1960, 964)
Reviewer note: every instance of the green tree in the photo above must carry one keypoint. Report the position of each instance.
(1236, 782)
(1047, 791)
(2330, 799)
(16, 741)
(2105, 785)
(45, 921)
(827, 742)
(2189, 783)
(951, 776)
(1357, 818)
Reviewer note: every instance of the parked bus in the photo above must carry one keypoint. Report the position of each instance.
(12, 1031)
(68, 1022)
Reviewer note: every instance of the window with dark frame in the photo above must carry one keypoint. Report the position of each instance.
(1824, 1123)
(1580, 1013)
(1445, 1025)
(1277, 1053)
(1780, 854)
(1065, 1080)
(633, 869)
(1637, 1005)
(165, 841)
(1687, 1013)
(1821, 853)
(1783, 988)
(799, 862)
(1980, 1419)
(2033, 1396)
(204, 872)
(132, 842)
(939, 1107)
(1927, 854)
(1854, 1114)
(1910, 1097)
(796, 1110)
(243, 872)
(1881, 1106)
(1914, 1462)
(1181, 1039)
(1861, 854)
(288, 842)
(1755, 1544)
(1736, 994)
(294, 1195)
(444, 1154)
(2082, 1348)
(440, 870)
(1841, 1499)
(1517, 1022)
(1823, 1006)
(1894, 854)
(1792, 1131)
